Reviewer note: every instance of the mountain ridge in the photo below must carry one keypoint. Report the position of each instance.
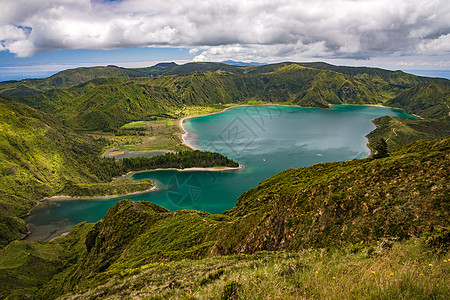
(72, 77)
(110, 102)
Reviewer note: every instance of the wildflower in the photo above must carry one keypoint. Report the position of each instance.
(392, 273)
(317, 272)
(445, 260)
(430, 265)
(373, 272)
(334, 277)
(421, 274)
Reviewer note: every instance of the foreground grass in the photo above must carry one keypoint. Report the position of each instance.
(389, 271)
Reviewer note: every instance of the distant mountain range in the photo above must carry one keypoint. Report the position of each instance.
(116, 95)
(242, 64)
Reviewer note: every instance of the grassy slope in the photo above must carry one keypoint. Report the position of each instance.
(339, 205)
(73, 77)
(26, 266)
(400, 271)
(428, 100)
(398, 132)
(38, 157)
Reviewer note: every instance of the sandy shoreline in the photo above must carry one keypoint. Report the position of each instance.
(381, 105)
(266, 104)
(154, 188)
(61, 197)
(183, 135)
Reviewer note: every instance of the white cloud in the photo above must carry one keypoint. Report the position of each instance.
(242, 30)
(436, 46)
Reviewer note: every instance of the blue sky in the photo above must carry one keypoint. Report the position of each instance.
(40, 37)
(45, 64)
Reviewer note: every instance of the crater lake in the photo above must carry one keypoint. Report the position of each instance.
(265, 140)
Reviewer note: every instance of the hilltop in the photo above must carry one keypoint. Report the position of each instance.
(73, 77)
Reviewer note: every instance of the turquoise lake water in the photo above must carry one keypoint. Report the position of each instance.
(264, 139)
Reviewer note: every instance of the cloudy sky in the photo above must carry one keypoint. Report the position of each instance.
(39, 36)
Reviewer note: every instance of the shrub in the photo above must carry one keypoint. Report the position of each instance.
(437, 238)
(231, 291)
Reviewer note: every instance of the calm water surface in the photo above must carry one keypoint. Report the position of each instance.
(264, 139)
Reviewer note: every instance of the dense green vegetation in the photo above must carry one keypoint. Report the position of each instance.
(101, 189)
(64, 79)
(349, 220)
(26, 266)
(398, 132)
(370, 228)
(427, 100)
(181, 160)
(390, 270)
(39, 157)
(70, 78)
(109, 103)
(380, 148)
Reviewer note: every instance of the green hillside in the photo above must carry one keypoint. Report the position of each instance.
(339, 228)
(202, 67)
(428, 100)
(392, 77)
(157, 69)
(398, 132)
(73, 77)
(64, 79)
(38, 158)
(362, 206)
(108, 103)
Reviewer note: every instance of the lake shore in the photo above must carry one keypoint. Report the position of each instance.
(119, 154)
(154, 188)
(184, 135)
(214, 169)
(232, 178)
(62, 197)
(194, 169)
(381, 105)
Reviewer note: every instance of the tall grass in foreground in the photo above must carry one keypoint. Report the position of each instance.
(396, 271)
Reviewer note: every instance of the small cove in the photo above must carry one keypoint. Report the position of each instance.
(265, 139)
